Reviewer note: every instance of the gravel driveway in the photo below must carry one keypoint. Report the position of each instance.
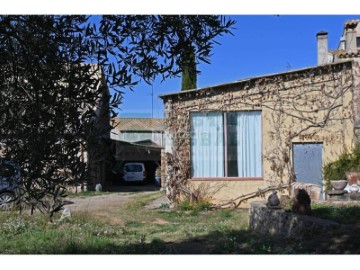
(98, 203)
(107, 206)
(101, 206)
(116, 196)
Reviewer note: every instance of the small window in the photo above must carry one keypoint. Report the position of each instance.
(358, 42)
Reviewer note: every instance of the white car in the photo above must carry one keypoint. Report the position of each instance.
(134, 172)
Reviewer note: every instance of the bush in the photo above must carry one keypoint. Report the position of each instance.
(337, 169)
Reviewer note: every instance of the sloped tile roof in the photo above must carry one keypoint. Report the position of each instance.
(221, 86)
(349, 54)
(337, 52)
(138, 124)
(148, 143)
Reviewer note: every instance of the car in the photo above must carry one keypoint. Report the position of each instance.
(134, 172)
(9, 183)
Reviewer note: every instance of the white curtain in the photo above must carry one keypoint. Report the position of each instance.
(207, 144)
(249, 144)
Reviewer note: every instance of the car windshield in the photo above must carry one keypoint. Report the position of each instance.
(6, 170)
(133, 168)
(9, 175)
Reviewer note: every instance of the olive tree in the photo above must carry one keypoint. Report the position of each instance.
(54, 72)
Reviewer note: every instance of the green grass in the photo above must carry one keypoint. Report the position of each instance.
(163, 231)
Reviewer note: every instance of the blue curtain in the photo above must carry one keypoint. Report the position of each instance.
(249, 144)
(207, 144)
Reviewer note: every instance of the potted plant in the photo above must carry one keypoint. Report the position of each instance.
(353, 173)
(345, 170)
(353, 177)
(335, 172)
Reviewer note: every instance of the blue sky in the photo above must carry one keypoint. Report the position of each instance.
(262, 44)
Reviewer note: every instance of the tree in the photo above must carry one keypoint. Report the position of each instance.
(189, 73)
(54, 70)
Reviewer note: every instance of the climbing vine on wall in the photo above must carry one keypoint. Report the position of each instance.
(308, 105)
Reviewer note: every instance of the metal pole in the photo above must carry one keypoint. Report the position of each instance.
(152, 101)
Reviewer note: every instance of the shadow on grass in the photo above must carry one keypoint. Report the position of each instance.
(344, 214)
(341, 241)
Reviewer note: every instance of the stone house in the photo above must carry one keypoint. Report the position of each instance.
(98, 155)
(97, 152)
(226, 142)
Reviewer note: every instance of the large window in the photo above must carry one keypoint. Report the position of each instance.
(226, 144)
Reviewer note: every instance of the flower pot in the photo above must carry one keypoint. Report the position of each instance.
(353, 188)
(353, 178)
(338, 184)
(273, 200)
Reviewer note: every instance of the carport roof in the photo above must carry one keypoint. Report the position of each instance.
(138, 124)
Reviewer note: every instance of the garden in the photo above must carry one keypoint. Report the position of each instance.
(188, 228)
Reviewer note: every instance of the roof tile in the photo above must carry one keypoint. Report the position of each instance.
(138, 124)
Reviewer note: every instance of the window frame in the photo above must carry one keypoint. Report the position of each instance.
(225, 133)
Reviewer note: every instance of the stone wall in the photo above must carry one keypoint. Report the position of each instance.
(356, 98)
(278, 222)
(306, 106)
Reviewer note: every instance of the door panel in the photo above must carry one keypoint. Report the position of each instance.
(308, 163)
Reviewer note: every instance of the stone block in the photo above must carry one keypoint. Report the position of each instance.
(278, 222)
(313, 190)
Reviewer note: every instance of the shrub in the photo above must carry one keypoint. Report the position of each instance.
(346, 162)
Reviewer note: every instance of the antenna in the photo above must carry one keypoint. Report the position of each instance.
(152, 101)
(288, 66)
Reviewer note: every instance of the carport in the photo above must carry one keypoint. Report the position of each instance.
(145, 152)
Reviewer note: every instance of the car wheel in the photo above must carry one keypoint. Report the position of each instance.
(6, 200)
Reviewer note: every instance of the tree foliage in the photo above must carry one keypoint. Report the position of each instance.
(189, 73)
(54, 73)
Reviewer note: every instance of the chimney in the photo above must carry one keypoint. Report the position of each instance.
(350, 43)
(322, 48)
(342, 43)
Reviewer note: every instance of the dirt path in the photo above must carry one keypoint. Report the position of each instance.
(98, 203)
(107, 206)
(102, 206)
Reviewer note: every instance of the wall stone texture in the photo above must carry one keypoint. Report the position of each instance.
(313, 105)
(282, 223)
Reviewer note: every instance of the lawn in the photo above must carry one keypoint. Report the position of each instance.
(137, 230)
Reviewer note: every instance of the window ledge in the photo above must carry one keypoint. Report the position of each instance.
(227, 179)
